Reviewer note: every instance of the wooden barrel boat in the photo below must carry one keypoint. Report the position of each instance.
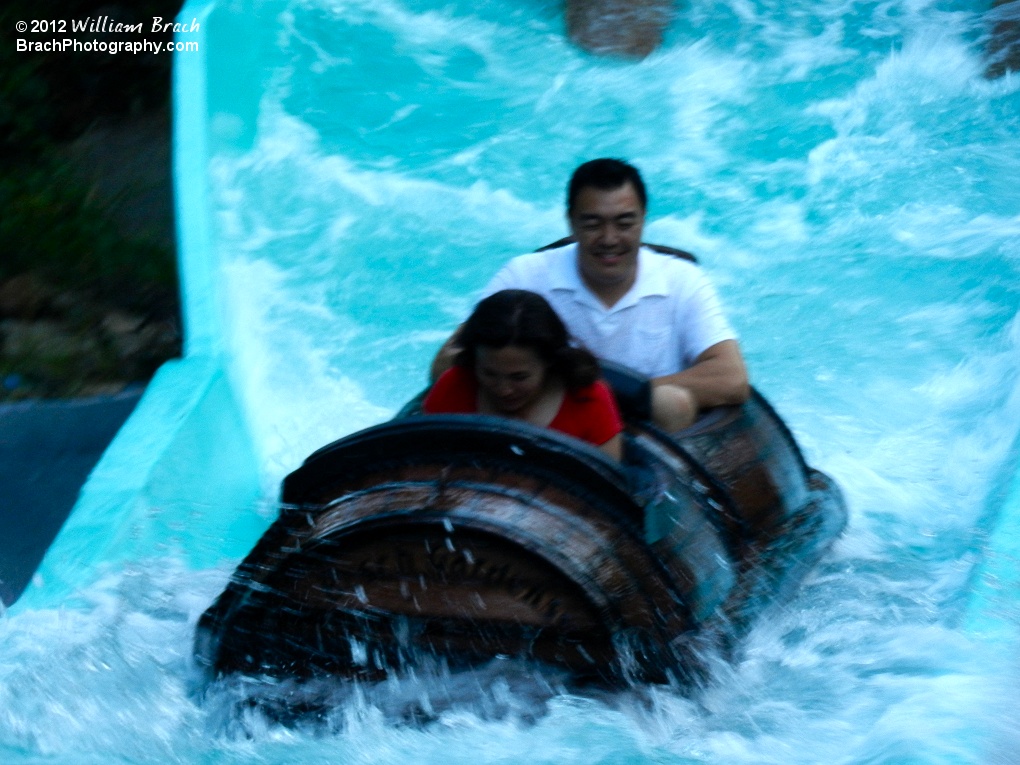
(470, 537)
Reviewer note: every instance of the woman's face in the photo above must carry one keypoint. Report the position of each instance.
(512, 377)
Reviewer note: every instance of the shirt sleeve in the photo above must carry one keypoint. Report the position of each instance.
(703, 320)
(453, 393)
(507, 278)
(501, 281)
(525, 272)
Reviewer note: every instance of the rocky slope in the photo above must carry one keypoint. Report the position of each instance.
(63, 343)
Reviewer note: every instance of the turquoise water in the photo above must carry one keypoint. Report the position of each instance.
(350, 173)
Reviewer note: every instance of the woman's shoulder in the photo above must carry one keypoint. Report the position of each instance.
(455, 375)
(454, 391)
(592, 409)
(596, 391)
(598, 395)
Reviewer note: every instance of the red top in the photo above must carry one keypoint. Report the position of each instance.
(587, 413)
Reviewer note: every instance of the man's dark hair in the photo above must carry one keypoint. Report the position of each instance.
(606, 174)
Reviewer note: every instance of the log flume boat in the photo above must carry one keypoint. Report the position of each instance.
(469, 537)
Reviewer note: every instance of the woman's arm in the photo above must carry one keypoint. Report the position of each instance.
(603, 419)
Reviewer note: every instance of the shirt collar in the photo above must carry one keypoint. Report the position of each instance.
(564, 275)
(650, 279)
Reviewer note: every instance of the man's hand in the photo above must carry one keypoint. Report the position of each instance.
(445, 357)
(673, 407)
(718, 377)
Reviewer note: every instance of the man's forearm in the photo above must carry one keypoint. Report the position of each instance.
(717, 378)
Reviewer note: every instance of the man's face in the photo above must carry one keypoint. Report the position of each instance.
(607, 224)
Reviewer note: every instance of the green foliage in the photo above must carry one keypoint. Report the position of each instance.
(55, 226)
(56, 229)
(52, 223)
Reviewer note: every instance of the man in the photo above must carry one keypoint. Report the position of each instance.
(655, 313)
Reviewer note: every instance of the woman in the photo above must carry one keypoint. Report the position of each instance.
(515, 360)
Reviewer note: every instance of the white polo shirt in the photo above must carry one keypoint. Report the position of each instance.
(666, 320)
